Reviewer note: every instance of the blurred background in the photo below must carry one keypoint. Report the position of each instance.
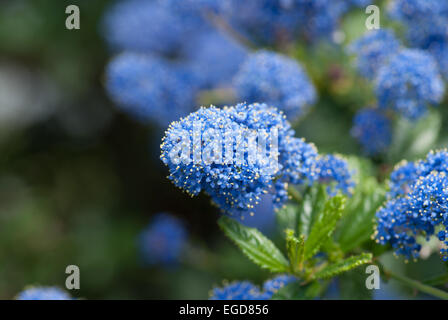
(80, 180)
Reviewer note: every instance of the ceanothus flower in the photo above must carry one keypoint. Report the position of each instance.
(373, 50)
(43, 293)
(214, 58)
(242, 290)
(319, 18)
(245, 290)
(237, 154)
(373, 131)
(426, 22)
(271, 286)
(406, 173)
(417, 206)
(193, 7)
(408, 83)
(277, 80)
(261, 21)
(276, 22)
(333, 169)
(162, 242)
(439, 51)
(146, 26)
(149, 88)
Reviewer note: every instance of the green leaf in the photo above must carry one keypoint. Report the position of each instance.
(414, 140)
(254, 245)
(287, 217)
(358, 218)
(342, 266)
(437, 280)
(352, 285)
(296, 250)
(333, 250)
(311, 205)
(296, 291)
(325, 224)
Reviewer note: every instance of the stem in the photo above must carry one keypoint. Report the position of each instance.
(418, 285)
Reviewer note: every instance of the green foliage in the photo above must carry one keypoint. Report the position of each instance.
(254, 245)
(413, 140)
(342, 266)
(352, 285)
(357, 224)
(311, 205)
(297, 291)
(296, 250)
(325, 224)
(287, 217)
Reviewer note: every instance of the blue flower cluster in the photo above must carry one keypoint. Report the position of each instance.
(149, 88)
(147, 26)
(245, 290)
(160, 75)
(276, 22)
(277, 80)
(43, 293)
(373, 50)
(163, 240)
(372, 128)
(236, 181)
(333, 170)
(406, 80)
(426, 22)
(417, 206)
(271, 286)
(408, 83)
(214, 58)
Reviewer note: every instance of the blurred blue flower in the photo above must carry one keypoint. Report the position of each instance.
(242, 290)
(214, 57)
(424, 19)
(271, 286)
(333, 169)
(245, 290)
(418, 205)
(193, 7)
(373, 131)
(149, 88)
(261, 21)
(426, 22)
(277, 80)
(146, 26)
(373, 50)
(236, 184)
(320, 18)
(439, 51)
(43, 293)
(277, 22)
(163, 240)
(407, 173)
(408, 83)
